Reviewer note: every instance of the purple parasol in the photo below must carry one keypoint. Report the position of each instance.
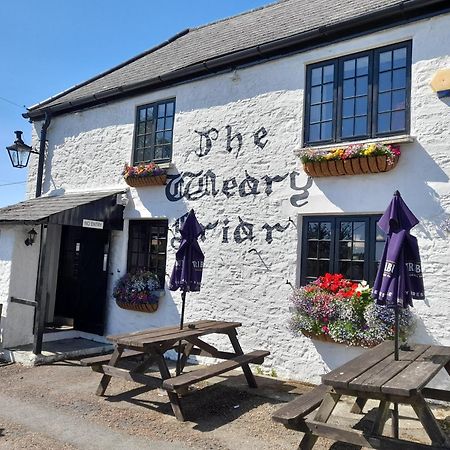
(399, 277)
(188, 269)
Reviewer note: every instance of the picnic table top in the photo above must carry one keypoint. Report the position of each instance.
(375, 371)
(155, 336)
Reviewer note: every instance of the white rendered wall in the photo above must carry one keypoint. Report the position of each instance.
(245, 281)
(18, 270)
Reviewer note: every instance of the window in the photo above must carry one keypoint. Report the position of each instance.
(154, 132)
(359, 96)
(352, 246)
(147, 244)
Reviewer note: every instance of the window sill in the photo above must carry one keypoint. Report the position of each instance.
(166, 165)
(402, 139)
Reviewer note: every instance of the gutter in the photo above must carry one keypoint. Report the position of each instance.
(405, 12)
(42, 142)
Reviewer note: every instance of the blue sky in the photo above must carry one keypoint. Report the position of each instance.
(49, 45)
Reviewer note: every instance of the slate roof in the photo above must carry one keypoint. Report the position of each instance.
(207, 44)
(41, 208)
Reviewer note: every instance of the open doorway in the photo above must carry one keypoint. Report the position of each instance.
(82, 279)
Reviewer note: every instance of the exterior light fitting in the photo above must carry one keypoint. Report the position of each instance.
(19, 152)
(31, 237)
(440, 83)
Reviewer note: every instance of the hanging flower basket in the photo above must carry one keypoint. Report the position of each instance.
(144, 175)
(335, 309)
(138, 291)
(352, 160)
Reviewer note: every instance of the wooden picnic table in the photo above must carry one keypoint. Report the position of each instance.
(374, 375)
(151, 344)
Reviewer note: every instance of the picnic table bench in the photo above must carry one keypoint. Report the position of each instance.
(150, 345)
(373, 375)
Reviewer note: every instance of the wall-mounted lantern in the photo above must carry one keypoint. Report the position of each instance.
(19, 152)
(31, 237)
(440, 83)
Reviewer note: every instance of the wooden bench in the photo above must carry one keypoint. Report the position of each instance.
(96, 362)
(180, 383)
(292, 414)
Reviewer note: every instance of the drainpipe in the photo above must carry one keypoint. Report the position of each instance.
(40, 172)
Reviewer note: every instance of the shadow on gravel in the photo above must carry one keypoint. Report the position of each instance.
(208, 407)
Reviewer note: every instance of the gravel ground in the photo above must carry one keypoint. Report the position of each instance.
(225, 416)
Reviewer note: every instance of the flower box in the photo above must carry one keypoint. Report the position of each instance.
(152, 180)
(138, 291)
(352, 160)
(144, 175)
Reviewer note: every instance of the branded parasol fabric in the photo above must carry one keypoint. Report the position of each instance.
(399, 278)
(188, 269)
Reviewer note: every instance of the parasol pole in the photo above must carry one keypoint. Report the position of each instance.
(183, 302)
(396, 346)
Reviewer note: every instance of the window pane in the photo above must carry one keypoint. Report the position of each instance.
(345, 250)
(140, 142)
(362, 85)
(379, 247)
(384, 122)
(361, 106)
(316, 76)
(360, 126)
(325, 231)
(324, 267)
(385, 61)
(311, 268)
(314, 133)
(142, 114)
(362, 66)
(359, 231)
(314, 115)
(349, 68)
(346, 231)
(141, 128)
(170, 109)
(347, 127)
(349, 88)
(398, 78)
(358, 251)
(313, 230)
(161, 110)
(324, 249)
(159, 138)
(400, 57)
(398, 120)
(357, 271)
(385, 82)
(169, 123)
(348, 108)
(316, 94)
(398, 99)
(167, 137)
(328, 74)
(312, 249)
(327, 92)
(326, 131)
(327, 111)
(345, 268)
(384, 102)
(160, 124)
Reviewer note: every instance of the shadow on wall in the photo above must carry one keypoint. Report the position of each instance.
(334, 355)
(372, 193)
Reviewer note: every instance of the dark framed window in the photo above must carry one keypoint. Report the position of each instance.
(147, 246)
(359, 96)
(154, 132)
(351, 245)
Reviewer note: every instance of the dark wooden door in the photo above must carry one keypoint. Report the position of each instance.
(82, 278)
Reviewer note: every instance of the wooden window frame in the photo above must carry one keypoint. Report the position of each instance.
(136, 160)
(148, 224)
(371, 220)
(372, 98)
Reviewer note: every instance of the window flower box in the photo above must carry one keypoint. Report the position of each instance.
(355, 159)
(138, 291)
(144, 175)
(334, 309)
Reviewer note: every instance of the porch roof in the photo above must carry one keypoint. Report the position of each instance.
(67, 209)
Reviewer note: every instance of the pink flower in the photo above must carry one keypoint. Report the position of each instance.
(325, 329)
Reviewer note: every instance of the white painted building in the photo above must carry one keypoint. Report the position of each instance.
(238, 118)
